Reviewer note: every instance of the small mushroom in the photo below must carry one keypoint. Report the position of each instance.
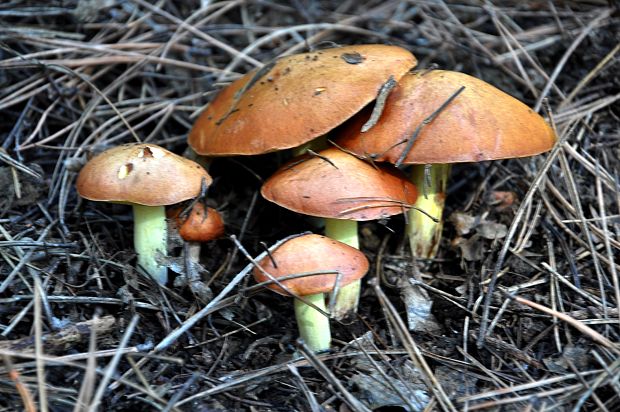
(320, 260)
(480, 123)
(344, 190)
(198, 225)
(148, 177)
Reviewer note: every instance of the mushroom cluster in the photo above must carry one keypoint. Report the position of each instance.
(428, 120)
(344, 190)
(292, 103)
(480, 122)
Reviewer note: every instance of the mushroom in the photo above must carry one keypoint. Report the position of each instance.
(148, 177)
(477, 122)
(295, 99)
(320, 261)
(198, 225)
(342, 189)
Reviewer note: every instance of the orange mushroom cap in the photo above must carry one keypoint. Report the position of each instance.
(141, 173)
(313, 253)
(201, 224)
(338, 185)
(295, 100)
(481, 123)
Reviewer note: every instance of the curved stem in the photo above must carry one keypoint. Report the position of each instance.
(313, 325)
(344, 231)
(150, 240)
(425, 234)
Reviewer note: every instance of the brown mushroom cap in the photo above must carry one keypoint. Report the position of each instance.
(199, 225)
(301, 97)
(141, 173)
(312, 253)
(338, 185)
(481, 123)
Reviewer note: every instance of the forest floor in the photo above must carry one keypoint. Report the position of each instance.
(524, 289)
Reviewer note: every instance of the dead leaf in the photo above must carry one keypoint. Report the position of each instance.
(492, 230)
(472, 249)
(502, 200)
(418, 307)
(377, 391)
(463, 223)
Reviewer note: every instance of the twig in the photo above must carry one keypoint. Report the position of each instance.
(38, 347)
(111, 368)
(580, 326)
(314, 404)
(377, 110)
(414, 352)
(411, 140)
(22, 389)
(534, 187)
(329, 376)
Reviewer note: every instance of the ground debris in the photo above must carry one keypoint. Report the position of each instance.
(522, 311)
(380, 391)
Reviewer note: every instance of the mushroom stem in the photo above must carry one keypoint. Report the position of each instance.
(204, 161)
(192, 268)
(344, 231)
(313, 325)
(424, 233)
(316, 145)
(150, 235)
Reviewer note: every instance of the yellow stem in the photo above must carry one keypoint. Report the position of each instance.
(424, 233)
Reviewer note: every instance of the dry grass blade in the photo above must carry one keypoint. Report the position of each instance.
(586, 330)
(534, 187)
(574, 195)
(38, 346)
(24, 392)
(606, 238)
(340, 390)
(88, 384)
(593, 73)
(111, 368)
(412, 349)
(558, 69)
(314, 405)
